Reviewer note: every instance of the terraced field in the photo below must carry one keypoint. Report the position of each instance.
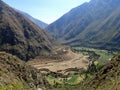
(67, 60)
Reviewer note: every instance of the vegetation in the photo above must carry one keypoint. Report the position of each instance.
(105, 78)
(18, 85)
(62, 81)
(108, 78)
(16, 75)
(21, 37)
(99, 59)
(96, 54)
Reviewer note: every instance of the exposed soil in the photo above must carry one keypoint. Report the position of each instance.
(60, 61)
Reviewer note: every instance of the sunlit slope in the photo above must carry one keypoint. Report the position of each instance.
(94, 24)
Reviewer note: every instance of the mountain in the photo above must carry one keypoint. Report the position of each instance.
(20, 36)
(17, 75)
(94, 24)
(36, 21)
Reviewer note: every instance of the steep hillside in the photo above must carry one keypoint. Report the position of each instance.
(108, 78)
(94, 24)
(20, 36)
(16, 75)
(36, 21)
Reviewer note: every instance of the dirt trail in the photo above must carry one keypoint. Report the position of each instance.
(68, 60)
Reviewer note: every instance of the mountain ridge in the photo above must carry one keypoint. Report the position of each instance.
(85, 25)
(36, 21)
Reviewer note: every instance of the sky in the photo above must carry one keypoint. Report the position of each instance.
(45, 10)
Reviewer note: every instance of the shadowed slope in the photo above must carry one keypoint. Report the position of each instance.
(21, 37)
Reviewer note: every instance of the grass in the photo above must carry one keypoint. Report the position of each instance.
(75, 79)
(15, 86)
(52, 80)
(69, 80)
(14, 73)
(104, 54)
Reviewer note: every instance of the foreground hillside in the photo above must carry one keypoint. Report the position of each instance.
(20, 36)
(16, 75)
(94, 24)
(108, 78)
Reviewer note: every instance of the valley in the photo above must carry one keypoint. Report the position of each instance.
(66, 58)
(79, 51)
(69, 66)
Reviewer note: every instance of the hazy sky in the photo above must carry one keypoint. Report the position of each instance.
(45, 10)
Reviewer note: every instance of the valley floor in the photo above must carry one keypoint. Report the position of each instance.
(67, 60)
(68, 67)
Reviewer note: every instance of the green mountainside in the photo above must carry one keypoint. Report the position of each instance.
(108, 78)
(20, 36)
(94, 24)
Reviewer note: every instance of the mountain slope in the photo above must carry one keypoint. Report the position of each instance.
(108, 78)
(16, 75)
(94, 24)
(36, 21)
(20, 36)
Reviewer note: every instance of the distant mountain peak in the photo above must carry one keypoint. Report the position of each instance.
(36, 21)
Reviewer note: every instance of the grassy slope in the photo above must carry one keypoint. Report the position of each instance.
(69, 80)
(108, 78)
(8, 80)
(16, 75)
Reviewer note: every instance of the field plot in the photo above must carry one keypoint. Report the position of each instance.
(60, 62)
